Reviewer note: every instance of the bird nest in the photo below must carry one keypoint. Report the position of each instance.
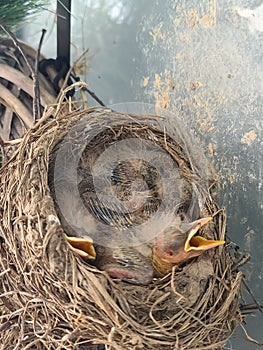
(52, 299)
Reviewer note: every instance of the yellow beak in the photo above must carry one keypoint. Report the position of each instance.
(82, 246)
(198, 243)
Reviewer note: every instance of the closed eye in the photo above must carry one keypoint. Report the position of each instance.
(170, 253)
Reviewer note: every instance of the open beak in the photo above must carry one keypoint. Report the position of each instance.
(198, 243)
(82, 246)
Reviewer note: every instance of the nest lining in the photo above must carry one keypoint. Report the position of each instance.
(53, 300)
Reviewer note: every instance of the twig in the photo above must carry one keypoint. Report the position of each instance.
(12, 142)
(77, 79)
(69, 73)
(66, 9)
(16, 43)
(94, 96)
(9, 324)
(252, 295)
(249, 338)
(249, 307)
(36, 100)
(2, 150)
(240, 262)
(91, 93)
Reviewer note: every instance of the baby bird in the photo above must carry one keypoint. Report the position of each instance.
(173, 247)
(179, 243)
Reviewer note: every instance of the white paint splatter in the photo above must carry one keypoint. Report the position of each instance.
(255, 17)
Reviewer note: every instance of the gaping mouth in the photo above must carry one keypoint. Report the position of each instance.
(82, 247)
(196, 242)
